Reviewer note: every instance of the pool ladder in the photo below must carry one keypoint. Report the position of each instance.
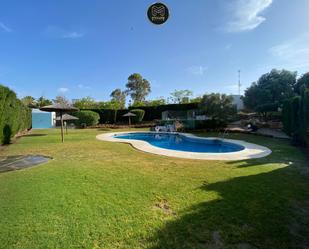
(222, 135)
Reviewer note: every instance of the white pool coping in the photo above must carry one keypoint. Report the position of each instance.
(251, 150)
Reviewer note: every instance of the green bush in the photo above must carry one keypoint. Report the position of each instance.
(87, 118)
(7, 134)
(295, 111)
(287, 116)
(151, 112)
(305, 106)
(107, 116)
(210, 124)
(14, 115)
(155, 112)
(297, 136)
(139, 115)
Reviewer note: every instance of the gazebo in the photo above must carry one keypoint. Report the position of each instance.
(129, 114)
(67, 117)
(61, 109)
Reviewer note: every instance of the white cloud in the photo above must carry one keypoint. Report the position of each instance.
(246, 14)
(81, 86)
(57, 32)
(292, 54)
(73, 35)
(5, 28)
(63, 90)
(197, 70)
(228, 46)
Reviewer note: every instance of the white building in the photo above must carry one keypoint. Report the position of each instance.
(43, 120)
(238, 102)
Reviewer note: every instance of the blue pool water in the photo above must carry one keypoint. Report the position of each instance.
(183, 143)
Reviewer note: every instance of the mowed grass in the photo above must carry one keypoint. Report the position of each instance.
(96, 194)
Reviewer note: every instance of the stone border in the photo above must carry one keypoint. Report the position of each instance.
(251, 150)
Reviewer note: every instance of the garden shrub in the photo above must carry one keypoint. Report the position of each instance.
(297, 131)
(7, 134)
(139, 115)
(210, 124)
(295, 111)
(305, 106)
(287, 116)
(107, 116)
(87, 118)
(14, 115)
(155, 112)
(151, 112)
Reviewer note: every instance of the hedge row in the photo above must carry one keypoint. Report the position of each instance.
(296, 117)
(107, 115)
(155, 112)
(210, 124)
(139, 115)
(86, 118)
(151, 112)
(14, 115)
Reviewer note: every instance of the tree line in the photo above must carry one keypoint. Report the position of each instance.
(282, 92)
(137, 88)
(269, 92)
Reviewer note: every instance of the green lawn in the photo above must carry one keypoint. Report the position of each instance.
(96, 194)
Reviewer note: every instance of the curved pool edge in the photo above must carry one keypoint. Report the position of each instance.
(251, 150)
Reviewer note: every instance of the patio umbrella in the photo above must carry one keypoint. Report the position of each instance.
(129, 114)
(67, 117)
(61, 108)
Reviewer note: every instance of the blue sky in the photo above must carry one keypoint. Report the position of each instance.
(88, 48)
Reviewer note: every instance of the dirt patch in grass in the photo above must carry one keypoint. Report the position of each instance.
(164, 206)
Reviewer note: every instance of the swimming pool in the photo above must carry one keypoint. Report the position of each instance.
(189, 146)
(182, 143)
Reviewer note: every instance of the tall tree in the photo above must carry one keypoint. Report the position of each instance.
(139, 103)
(117, 102)
(86, 103)
(156, 102)
(29, 101)
(295, 113)
(61, 100)
(119, 96)
(104, 105)
(138, 87)
(302, 81)
(218, 106)
(196, 99)
(270, 91)
(41, 101)
(115, 105)
(181, 96)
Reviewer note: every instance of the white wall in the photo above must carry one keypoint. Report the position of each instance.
(238, 102)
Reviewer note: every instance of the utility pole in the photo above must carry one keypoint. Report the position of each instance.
(239, 84)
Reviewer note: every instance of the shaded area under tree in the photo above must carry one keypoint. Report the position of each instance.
(256, 211)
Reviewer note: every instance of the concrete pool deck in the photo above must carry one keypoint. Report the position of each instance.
(251, 150)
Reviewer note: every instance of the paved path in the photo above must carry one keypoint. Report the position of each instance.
(273, 133)
(236, 127)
